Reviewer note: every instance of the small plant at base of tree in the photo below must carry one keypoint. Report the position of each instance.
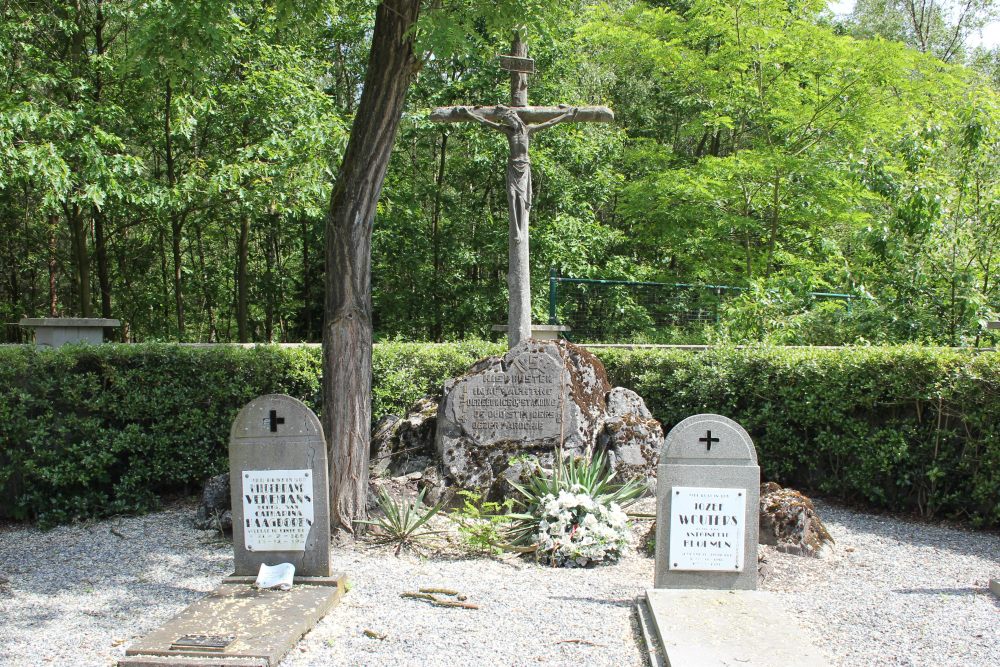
(481, 524)
(574, 516)
(403, 522)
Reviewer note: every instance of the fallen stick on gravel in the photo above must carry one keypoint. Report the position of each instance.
(442, 591)
(585, 642)
(418, 596)
(438, 602)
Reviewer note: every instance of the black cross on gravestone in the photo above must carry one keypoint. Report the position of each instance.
(273, 419)
(708, 440)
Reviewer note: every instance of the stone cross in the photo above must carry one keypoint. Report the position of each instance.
(518, 122)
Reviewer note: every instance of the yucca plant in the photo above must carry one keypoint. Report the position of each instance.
(403, 522)
(574, 516)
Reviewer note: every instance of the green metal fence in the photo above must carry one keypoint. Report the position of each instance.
(611, 311)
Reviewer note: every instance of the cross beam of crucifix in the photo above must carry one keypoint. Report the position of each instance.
(518, 122)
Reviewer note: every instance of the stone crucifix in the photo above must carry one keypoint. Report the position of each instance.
(518, 122)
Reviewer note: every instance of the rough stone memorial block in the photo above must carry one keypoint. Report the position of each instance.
(507, 417)
(707, 506)
(539, 395)
(278, 473)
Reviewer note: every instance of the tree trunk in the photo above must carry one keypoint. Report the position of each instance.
(307, 291)
(242, 258)
(209, 303)
(176, 218)
(101, 248)
(53, 267)
(165, 283)
(775, 217)
(74, 216)
(270, 298)
(437, 326)
(347, 330)
(81, 257)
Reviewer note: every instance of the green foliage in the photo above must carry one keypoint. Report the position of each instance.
(403, 522)
(403, 372)
(482, 524)
(90, 431)
(896, 428)
(171, 163)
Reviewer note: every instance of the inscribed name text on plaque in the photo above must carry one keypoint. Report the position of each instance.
(706, 529)
(277, 509)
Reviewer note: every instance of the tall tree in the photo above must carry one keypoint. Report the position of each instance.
(347, 331)
(938, 27)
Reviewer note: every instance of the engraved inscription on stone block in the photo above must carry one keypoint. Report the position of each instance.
(277, 509)
(521, 402)
(706, 529)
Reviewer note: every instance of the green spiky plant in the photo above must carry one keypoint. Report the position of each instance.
(403, 522)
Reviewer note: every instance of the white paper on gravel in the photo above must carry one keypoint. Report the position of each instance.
(278, 576)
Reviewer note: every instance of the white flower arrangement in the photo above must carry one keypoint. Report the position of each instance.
(575, 530)
(572, 515)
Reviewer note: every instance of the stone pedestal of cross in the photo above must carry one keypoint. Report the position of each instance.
(518, 122)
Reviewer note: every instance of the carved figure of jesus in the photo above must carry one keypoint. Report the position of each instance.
(518, 162)
(519, 193)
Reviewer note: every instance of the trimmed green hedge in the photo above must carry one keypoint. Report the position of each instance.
(898, 428)
(92, 431)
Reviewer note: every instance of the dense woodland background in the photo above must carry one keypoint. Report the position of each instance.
(170, 164)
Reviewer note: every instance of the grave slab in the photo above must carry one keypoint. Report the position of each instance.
(708, 628)
(236, 625)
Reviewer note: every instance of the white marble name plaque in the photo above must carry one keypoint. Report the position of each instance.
(706, 528)
(277, 509)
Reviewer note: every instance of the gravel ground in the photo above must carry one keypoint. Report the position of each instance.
(891, 592)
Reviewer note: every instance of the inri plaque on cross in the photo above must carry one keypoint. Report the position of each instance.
(518, 122)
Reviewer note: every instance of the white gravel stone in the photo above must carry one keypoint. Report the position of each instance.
(890, 592)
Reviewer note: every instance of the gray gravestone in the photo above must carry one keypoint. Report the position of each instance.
(708, 493)
(281, 514)
(281, 502)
